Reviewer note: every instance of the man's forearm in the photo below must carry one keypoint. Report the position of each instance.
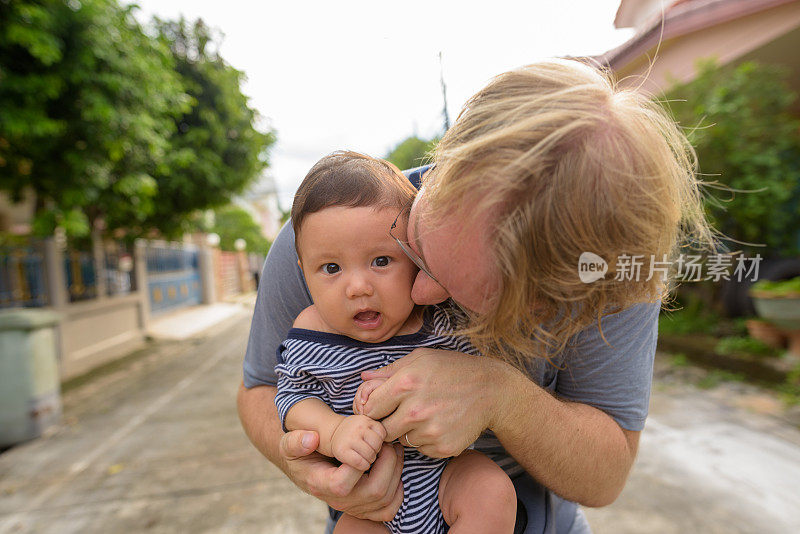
(259, 417)
(576, 450)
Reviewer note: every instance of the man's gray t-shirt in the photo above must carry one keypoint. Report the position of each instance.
(612, 375)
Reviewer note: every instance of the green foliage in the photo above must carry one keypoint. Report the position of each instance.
(215, 150)
(679, 360)
(232, 223)
(716, 376)
(782, 288)
(285, 215)
(88, 101)
(693, 318)
(412, 152)
(740, 122)
(790, 389)
(114, 128)
(742, 344)
(739, 326)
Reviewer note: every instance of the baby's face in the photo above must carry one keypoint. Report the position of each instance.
(359, 278)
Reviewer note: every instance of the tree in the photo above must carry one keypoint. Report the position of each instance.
(87, 105)
(231, 223)
(215, 150)
(113, 128)
(412, 152)
(740, 123)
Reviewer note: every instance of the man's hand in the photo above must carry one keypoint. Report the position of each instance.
(376, 495)
(357, 440)
(428, 390)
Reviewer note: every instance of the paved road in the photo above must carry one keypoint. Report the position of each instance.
(156, 446)
(713, 461)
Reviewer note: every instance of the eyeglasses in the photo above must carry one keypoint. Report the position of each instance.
(413, 256)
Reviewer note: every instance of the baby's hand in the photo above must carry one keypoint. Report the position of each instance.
(357, 440)
(363, 393)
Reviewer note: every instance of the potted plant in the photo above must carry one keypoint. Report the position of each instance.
(779, 304)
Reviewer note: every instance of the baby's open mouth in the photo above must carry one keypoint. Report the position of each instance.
(367, 318)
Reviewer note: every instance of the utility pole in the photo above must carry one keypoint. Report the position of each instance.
(444, 96)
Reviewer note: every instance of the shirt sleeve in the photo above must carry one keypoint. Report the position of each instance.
(282, 295)
(614, 374)
(295, 383)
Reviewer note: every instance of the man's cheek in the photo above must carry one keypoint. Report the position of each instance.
(426, 291)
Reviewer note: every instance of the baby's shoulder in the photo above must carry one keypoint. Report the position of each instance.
(310, 319)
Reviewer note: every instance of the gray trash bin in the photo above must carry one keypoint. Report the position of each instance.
(30, 399)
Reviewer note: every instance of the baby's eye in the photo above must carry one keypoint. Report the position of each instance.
(331, 268)
(381, 261)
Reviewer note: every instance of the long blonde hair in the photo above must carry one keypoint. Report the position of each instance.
(567, 163)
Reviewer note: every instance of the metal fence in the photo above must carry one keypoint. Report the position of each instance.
(119, 274)
(173, 276)
(80, 275)
(22, 277)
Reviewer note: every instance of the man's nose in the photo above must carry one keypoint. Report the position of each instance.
(427, 291)
(359, 285)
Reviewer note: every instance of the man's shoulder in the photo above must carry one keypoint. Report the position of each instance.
(415, 175)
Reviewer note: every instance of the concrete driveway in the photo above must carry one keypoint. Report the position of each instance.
(155, 445)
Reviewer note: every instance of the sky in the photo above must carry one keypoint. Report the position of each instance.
(364, 75)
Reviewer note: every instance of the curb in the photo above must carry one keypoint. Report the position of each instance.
(700, 350)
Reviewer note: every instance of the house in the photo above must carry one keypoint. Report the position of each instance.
(665, 50)
(262, 202)
(671, 36)
(16, 217)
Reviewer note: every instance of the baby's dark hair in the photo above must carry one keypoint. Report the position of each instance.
(353, 180)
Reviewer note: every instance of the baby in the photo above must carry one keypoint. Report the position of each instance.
(363, 318)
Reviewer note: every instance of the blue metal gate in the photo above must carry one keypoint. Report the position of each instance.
(22, 277)
(173, 277)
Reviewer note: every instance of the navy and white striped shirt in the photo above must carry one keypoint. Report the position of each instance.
(328, 367)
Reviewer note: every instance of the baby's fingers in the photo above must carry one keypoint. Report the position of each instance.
(375, 439)
(369, 386)
(366, 451)
(358, 458)
(363, 393)
(379, 429)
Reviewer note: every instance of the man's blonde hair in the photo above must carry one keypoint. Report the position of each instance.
(565, 162)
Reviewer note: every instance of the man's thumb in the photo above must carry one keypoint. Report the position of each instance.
(299, 443)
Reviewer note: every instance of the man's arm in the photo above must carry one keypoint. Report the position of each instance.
(259, 417)
(570, 446)
(574, 449)
(377, 495)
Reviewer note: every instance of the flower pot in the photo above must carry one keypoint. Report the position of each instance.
(794, 342)
(782, 311)
(767, 333)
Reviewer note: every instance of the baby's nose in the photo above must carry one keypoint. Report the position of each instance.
(359, 285)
